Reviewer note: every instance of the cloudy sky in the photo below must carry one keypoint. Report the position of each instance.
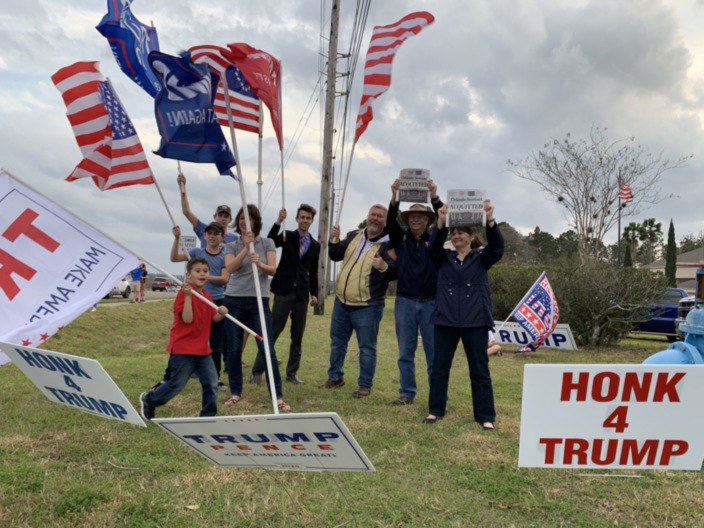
(490, 80)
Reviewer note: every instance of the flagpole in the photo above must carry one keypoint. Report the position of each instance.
(255, 274)
(281, 150)
(344, 187)
(156, 183)
(247, 329)
(260, 182)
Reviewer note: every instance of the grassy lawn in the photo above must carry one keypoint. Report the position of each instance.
(63, 468)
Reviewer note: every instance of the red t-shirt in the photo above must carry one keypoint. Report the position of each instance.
(191, 339)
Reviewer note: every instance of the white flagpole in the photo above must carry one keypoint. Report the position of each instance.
(260, 182)
(344, 188)
(281, 150)
(255, 271)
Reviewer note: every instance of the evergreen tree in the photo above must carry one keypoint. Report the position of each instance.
(671, 257)
(627, 260)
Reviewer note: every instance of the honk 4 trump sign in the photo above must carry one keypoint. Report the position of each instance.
(612, 417)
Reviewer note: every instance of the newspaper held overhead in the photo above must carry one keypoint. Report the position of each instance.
(465, 208)
(414, 186)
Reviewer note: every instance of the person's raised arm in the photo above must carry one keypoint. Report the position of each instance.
(175, 255)
(185, 206)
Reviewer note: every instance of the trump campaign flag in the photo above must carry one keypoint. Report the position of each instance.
(131, 42)
(53, 266)
(385, 42)
(243, 101)
(112, 153)
(263, 74)
(537, 313)
(184, 112)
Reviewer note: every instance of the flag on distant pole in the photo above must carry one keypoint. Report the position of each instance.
(131, 42)
(112, 153)
(54, 266)
(244, 102)
(184, 112)
(385, 42)
(537, 313)
(263, 74)
(625, 193)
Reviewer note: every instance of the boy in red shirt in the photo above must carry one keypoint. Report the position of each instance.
(188, 345)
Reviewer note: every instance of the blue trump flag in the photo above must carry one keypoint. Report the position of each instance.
(184, 112)
(131, 42)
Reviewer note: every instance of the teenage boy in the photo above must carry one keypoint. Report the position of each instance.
(294, 283)
(188, 345)
(223, 216)
(215, 285)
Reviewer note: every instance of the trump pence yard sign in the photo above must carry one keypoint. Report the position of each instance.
(612, 417)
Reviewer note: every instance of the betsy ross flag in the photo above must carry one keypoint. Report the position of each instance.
(243, 101)
(385, 42)
(112, 153)
(625, 193)
(184, 112)
(131, 42)
(537, 313)
(263, 74)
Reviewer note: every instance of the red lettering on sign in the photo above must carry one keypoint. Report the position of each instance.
(605, 452)
(8, 266)
(610, 386)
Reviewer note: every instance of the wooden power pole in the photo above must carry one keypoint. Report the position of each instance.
(326, 177)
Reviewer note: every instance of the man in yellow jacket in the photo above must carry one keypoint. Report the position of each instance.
(362, 282)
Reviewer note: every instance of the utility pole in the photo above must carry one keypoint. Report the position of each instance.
(326, 177)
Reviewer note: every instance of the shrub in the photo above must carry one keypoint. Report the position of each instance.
(599, 302)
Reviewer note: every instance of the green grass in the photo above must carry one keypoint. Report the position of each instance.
(63, 468)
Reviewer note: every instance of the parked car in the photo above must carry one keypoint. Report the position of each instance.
(685, 305)
(122, 288)
(162, 284)
(664, 315)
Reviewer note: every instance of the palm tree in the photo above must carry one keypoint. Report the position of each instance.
(632, 233)
(651, 235)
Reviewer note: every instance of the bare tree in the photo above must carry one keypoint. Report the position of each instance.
(584, 175)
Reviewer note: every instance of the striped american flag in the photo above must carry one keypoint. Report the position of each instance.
(244, 103)
(625, 193)
(112, 153)
(385, 42)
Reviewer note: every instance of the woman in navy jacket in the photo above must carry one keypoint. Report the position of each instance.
(463, 312)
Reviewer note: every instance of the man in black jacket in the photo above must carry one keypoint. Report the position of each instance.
(295, 279)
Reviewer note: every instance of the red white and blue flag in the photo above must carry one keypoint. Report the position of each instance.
(625, 193)
(244, 102)
(537, 313)
(131, 42)
(112, 153)
(385, 42)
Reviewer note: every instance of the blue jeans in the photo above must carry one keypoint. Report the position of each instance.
(246, 311)
(412, 315)
(474, 341)
(365, 323)
(180, 368)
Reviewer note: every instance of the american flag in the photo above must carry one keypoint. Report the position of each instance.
(537, 313)
(243, 101)
(385, 42)
(112, 153)
(625, 193)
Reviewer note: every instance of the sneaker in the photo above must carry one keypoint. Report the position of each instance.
(222, 387)
(362, 392)
(146, 409)
(332, 384)
(402, 400)
(256, 379)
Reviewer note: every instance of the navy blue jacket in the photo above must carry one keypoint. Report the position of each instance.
(462, 298)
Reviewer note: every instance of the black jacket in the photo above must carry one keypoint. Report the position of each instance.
(293, 272)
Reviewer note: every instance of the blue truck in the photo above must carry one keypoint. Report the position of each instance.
(664, 315)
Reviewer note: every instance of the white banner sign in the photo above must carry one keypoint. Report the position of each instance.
(73, 381)
(290, 442)
(514, 334)
(53, 267)
(612, 417)
(187, 243)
